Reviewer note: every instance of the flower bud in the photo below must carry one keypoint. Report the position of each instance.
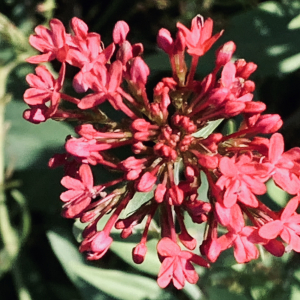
(139, 253)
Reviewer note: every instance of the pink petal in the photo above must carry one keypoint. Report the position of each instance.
(139, 71)
(247, 197)
(230, 196)
(228, 74)
(226, 240)
(166, 247)
(293, 154)
(40, 44)
(86, 176)
(35, 96)
(44, 34)
(115, 76)
(190, 274)
(186, 32)
(206, 30)
(291, 238)
(72, 183)
(228, 167)
(217, 96)
(230, 217)
(276, 147)
(101, 74)
(164, 40)
(290, 208)
(107, 53)
(41, 58)
(120, 32)
(71, 195)
(36, 82)
(58, 33)
(75, 208)
(146, 182)
(45, 75)
(79, 83)
(178, 275)
(254, 184)
(294, 241)
(61, 77)
(287, 181)
(93, 44)
(271, 230)
(91, 100)
(35, 115)
(166, 272)
(101, 242)
(244, 251)
(79, 27)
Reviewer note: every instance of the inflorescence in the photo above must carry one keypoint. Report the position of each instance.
(169, 150)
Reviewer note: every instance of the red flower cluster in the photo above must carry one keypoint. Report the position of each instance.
(171, 146)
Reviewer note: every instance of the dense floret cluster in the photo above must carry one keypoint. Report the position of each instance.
(172, 143)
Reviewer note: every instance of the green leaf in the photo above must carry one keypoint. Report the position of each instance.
(295, 293)
(290, 64)
(272, 7)
(136, 202)
(115, 283)
(294, 23)
(203, 189)
(230, 127)
(118, 284)
(216, 293)
(193, 291)
(277, 194)
(208, 129)
(27, 143)
(267, 39)
(25, 214)
(178, 169)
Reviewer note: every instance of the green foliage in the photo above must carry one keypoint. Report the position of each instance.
(117, 284)
(268, 36)
(27, 143)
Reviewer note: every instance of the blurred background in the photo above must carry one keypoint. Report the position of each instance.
(42, 261)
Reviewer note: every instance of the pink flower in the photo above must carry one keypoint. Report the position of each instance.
(43, 88)
(287, 227)
(283, 175)
(50, 42)
(105, 84)
(199, 39)
(176, 264)
(96, 245)
(241, 179)
(244, 249)
(80, 192)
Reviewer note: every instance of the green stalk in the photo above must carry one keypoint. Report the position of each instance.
(8, 234)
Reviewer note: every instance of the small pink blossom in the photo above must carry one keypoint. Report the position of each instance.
(176, 264)
(80, 192)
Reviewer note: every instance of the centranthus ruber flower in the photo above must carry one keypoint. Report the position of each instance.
(162, 149)
(287, 226)
(176, 264)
